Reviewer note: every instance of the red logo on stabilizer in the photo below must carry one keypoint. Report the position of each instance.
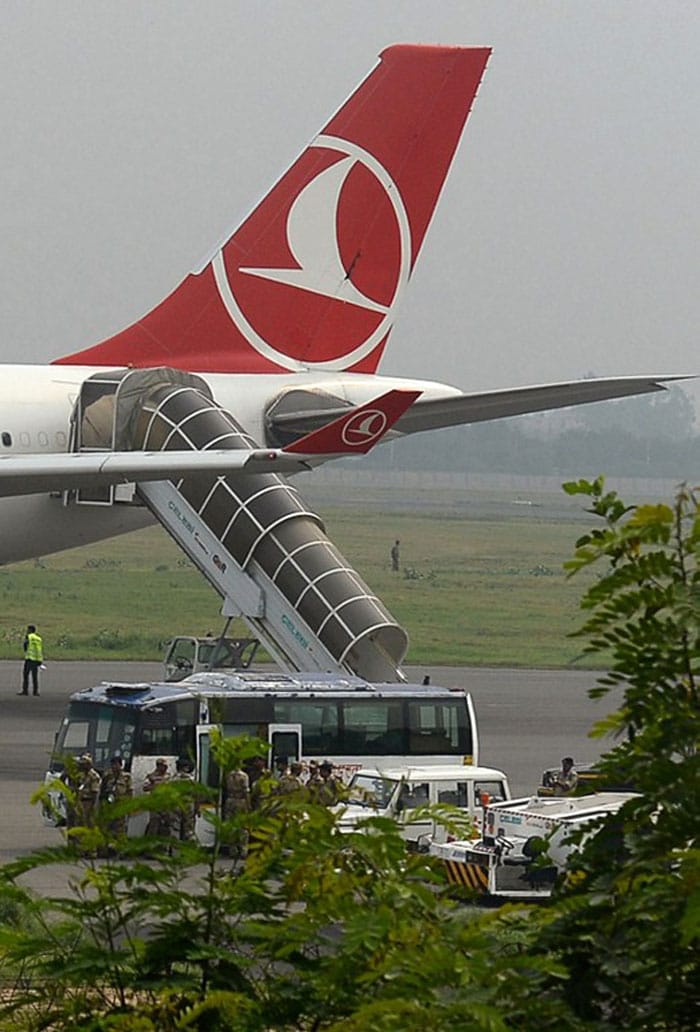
(364, 428)
(317, 286)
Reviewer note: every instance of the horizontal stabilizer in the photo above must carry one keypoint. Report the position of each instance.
(357, 431)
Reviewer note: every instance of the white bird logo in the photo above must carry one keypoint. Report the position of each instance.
(312, 238)
(364, 427)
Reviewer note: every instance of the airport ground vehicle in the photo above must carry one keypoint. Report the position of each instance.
(351, 722)
(398, 792)
(501, 864)
(186, 654)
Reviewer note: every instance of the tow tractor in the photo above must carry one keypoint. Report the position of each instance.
(501, 864)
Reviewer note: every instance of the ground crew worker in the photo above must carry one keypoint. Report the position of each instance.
(116, 785)
(158, 823)
(85, 784)
(566, 779)
(290, 783)
(326, 789)
(33, 658)
(183, 820)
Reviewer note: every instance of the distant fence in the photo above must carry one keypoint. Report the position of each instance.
(414, 480)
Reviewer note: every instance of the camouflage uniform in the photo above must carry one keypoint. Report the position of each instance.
(324, 788)
(158, 823)
(86, 786)
(237, 801)
(290, 783)
(182, 821)
(116, 786)
(262, 785)
(237, 793)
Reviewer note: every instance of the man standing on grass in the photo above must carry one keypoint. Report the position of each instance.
(395, 556)
(33, 658)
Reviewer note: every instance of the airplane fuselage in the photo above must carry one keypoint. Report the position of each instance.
(36, 406)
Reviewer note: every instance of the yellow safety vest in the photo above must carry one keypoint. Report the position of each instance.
(35, 649)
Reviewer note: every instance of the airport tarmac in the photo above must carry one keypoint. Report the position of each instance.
(528, 720)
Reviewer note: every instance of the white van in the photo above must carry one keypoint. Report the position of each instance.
(398, 792)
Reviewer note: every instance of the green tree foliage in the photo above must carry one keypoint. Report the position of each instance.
(630, 920)
(314, 930)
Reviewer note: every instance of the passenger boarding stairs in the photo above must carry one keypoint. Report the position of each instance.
(251, 535)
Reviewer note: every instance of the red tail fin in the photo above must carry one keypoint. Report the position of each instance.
(313, 276)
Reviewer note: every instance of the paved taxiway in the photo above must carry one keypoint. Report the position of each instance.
(528, 720)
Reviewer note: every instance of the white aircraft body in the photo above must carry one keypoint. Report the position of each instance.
(285, 324)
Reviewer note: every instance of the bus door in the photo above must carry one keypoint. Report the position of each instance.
(285, 745)
(207, 772)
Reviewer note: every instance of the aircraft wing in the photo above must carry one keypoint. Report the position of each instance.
(356, 431)
(459, 409)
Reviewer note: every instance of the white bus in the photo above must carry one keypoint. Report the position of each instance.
(347, 720)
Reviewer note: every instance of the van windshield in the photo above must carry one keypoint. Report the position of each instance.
(371, 790)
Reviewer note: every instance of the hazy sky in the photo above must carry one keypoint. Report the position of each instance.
(566, 243)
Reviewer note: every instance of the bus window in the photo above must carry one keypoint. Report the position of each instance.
(438, 727)
(168, 730)
(319, 719)
(155, 741)
(101, 752)
(372, 728)
(252, 730)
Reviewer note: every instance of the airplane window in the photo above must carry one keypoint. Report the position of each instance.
(7, 439)
(43, 439)
(24, 438)
(60, 439)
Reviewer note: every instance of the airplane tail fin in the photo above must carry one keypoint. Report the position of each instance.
(313, 276)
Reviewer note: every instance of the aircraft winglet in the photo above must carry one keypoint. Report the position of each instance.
(358, 430)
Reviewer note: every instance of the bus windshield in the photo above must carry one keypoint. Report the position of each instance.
(101, 730)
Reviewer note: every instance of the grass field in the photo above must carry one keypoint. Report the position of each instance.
(481, 582)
